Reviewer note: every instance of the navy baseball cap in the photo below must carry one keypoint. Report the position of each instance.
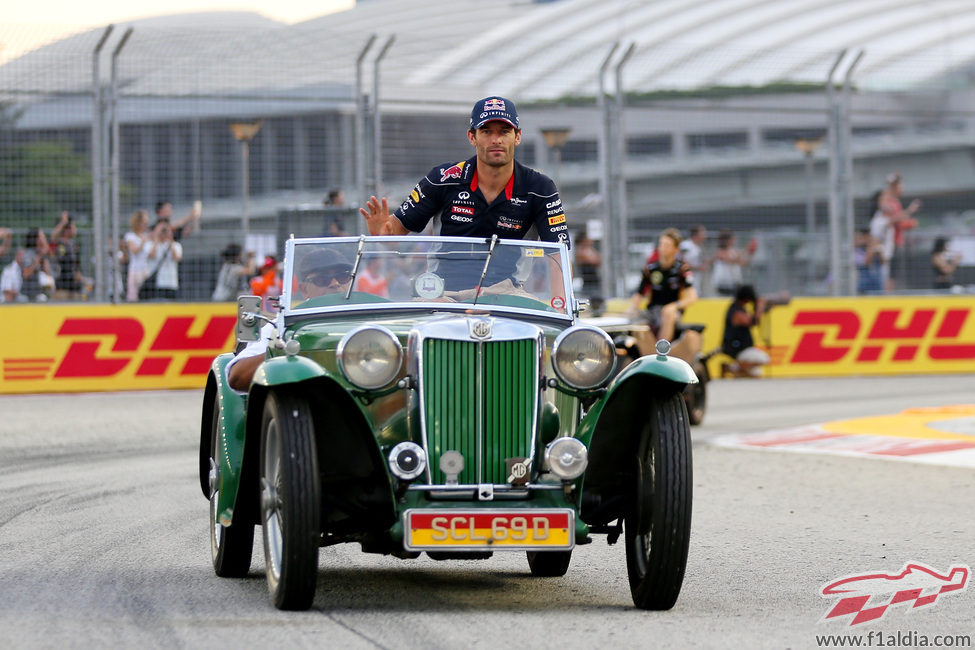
(494, 108)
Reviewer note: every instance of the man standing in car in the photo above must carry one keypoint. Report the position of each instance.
(489, 194)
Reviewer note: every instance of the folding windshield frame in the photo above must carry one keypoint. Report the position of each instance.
(290, 313)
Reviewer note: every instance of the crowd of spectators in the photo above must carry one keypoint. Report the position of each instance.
(146, 261)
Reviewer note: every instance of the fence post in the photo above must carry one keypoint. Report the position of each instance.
(607, 198)
(114, 173)
(97, 167)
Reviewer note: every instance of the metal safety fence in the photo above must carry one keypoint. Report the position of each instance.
(250, 132)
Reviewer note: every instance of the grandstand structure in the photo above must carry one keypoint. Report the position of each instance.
(708, 98)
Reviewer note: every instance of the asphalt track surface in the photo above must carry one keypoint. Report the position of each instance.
(103, 540)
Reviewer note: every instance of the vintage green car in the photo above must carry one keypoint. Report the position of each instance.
(439, 395)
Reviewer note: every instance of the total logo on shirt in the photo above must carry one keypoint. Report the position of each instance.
(463, 209)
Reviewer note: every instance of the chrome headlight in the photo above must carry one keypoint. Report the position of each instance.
(583, 357)
(407, 460)
(370, 357)
(567, 458)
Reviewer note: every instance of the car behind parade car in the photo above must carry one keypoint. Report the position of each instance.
(445, 400)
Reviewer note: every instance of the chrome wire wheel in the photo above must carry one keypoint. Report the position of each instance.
(290, 500)
(270, 506)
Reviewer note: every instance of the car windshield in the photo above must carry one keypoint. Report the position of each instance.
(362, 273)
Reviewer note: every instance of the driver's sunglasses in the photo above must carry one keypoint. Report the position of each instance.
(324, 278)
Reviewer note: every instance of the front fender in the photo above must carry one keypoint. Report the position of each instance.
(657, 374)
(230, 436)
(612, 427)
(287, 370)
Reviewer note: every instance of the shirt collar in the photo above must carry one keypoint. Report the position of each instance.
(509, 187)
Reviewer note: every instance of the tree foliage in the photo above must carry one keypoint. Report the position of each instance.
(40, 179)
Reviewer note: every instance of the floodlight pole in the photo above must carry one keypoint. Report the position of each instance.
(245, 132)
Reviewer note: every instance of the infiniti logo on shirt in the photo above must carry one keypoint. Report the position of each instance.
(464, 195)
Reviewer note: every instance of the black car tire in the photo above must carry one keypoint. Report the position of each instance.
(696, 395)
(290, 501)
(658, 525)
(549, 564)
(231, 547)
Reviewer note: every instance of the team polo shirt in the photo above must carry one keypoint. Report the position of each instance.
(451, 191)
(664, 285)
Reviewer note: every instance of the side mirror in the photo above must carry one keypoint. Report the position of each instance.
(249, 318)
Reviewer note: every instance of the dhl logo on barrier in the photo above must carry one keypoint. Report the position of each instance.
(905, 334)
(103, 347)
(873, 336)
(851, 336)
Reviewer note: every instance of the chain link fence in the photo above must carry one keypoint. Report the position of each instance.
(260, 124)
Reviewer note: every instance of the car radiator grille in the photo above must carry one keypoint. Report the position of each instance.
(479, 400)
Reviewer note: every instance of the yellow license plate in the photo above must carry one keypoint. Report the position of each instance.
(503, 530)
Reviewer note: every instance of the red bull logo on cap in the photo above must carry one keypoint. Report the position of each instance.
(454, 171)
(494, 104)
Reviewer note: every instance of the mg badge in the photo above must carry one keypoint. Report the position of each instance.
(481, 328)
(518, 474)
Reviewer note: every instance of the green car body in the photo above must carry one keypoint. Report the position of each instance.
(487, 382)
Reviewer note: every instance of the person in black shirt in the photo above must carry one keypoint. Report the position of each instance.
(668, 287)
(69, 282)
(489, 194)
(737, 342)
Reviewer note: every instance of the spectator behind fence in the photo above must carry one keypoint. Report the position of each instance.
(888, 225)
(587, 261)
(267, 284)
(372, 278)
(37, 269)
(181, 227)
(232, 280)
(692, 253)
(868, 257)
(726, 274)
(12, 279)
(137, 243)
(165, 255)
(6, 239)
(943, 263)
(69, 283)
(335, 199)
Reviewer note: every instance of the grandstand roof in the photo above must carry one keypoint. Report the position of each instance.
(527, 50)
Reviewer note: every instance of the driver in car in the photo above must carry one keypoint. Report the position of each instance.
(322, 272)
